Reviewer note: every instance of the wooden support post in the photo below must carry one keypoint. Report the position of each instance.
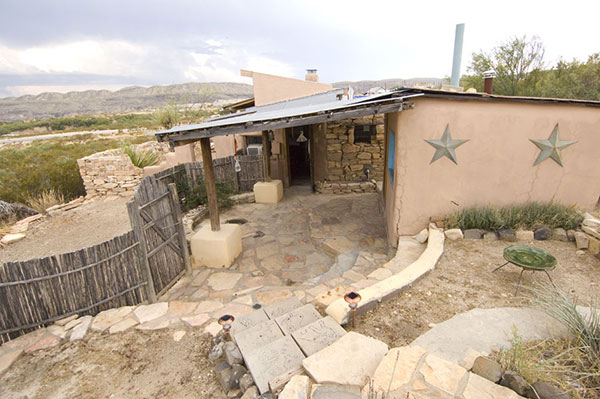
(266, 152)
(180, 230)
(136, 225)
(209, 181)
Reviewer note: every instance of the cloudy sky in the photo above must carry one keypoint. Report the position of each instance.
(65, 45)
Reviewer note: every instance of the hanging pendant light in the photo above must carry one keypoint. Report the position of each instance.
(301, 138)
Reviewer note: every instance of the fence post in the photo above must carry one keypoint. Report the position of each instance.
(136, 225)
(236, 176)
(180, 230)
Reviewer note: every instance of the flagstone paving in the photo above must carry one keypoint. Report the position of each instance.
(304, 246)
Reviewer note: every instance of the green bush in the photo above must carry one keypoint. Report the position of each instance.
(529, 215)
(167, 117)
(192, 197)
(41, 167)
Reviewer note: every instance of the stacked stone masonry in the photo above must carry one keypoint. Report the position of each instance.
(111, 172)
(347, 158)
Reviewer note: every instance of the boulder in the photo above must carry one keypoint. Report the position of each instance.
(507, 235)
(515, 382)
(543, 390)
(487, 368)
(490, 236)
(524, 235)
(251, 393)
(474, 234)
(542, 233)
(560, 234)
(454, 234)
(581, 240)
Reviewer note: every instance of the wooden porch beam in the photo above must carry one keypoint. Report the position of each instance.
(209, 181)
(266, 153)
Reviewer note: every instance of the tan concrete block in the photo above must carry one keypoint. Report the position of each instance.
(268, 192)
(216, 248)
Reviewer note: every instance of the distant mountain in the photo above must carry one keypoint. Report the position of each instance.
(51, 105)
(363, 86)
(129, 99)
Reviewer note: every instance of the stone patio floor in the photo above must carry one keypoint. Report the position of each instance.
(305, 245)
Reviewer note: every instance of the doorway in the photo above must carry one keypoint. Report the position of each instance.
(298, 147)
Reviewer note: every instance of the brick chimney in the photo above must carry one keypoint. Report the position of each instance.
(311, 75)
(488, 81)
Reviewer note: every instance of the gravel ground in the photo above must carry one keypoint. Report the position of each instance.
(89, 224)
(133, 364)
(462, 280)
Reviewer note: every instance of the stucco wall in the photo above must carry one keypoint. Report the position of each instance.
(496, 165)
(269, 89)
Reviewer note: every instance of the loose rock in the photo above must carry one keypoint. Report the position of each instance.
(232, 354)
(545, 391)
(246, 382)
(473, 234)
(454, 234)
(542, 233)
(487, 369)
(515, 382)
(507, 235)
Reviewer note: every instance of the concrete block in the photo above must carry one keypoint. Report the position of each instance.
(247, 321)
(297, 318)
(318, 335)
(280, 308)
(256, 337)
(275, 360)
(268, 192)
(216, 248)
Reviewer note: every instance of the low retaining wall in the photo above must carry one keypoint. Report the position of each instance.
(325, 187)
(112, 173)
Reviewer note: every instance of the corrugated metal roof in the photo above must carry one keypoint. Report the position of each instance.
(312, 105)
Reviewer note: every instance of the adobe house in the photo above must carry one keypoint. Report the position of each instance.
(432, 151)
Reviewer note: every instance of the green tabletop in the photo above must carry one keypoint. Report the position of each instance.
(529, 257)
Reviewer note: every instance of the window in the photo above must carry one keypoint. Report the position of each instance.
(253, 140)
(364, 133)
(391, 154)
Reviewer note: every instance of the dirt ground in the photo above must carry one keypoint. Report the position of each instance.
(90, 223)
(462, 280)
(133, 364)
(138, 364)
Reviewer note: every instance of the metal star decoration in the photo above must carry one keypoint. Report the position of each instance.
(445, 147)
(551, 147)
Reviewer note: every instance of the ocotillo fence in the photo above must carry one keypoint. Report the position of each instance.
(126, 270)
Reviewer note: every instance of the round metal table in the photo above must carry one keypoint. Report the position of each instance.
(528, 258)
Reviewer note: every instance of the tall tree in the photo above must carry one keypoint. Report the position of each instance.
(513, 63)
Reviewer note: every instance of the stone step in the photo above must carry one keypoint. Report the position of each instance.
(280, 359)
(318, 335)
(297, 318)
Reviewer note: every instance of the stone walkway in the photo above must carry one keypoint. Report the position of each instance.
(306, 245)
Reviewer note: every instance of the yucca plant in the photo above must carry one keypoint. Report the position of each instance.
(585, 329)
(140, 158)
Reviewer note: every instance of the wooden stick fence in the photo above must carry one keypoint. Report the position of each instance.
(127, 270)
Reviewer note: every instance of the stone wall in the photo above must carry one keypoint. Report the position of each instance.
(112, 173)
(347, 159)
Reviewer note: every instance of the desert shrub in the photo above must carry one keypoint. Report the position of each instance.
(140, 158)
(191, 197)
(45, 200)
(52, 165)
(525, 216)
(167, 117)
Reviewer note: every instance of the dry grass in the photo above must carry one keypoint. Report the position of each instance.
(45, 200)
(560, 363)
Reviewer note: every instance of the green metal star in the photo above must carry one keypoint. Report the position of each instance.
(551, 147)
(445, 147)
